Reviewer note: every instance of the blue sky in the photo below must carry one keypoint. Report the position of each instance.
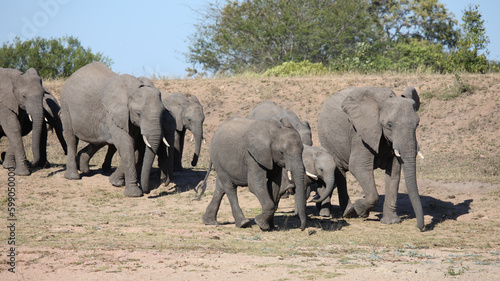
(149, 37)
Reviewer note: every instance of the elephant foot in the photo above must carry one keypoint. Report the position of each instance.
(325, 212)
(209, 220)
(350, 212)
(243, 223)
(262, 223)
(22, 171)
(390, 218)
(133, 191)
(72, 175)
(117, 179)
(7, 163)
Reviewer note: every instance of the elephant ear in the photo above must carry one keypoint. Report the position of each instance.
(194, 98)
(175, 103)
(363, 111)
(7, 96)
(257, 141)
(411, 93)
(309, 157)
(115, 100)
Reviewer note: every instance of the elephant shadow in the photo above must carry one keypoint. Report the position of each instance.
(439, 210)
(183, 181)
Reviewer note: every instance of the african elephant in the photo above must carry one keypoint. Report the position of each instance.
(269, 109)
(101, 107)
(365, 128)
(253, 153)
(21, 96)
(188, 114)
(51, 111)
(320, 169)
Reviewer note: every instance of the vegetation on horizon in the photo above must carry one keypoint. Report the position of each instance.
(263, 36)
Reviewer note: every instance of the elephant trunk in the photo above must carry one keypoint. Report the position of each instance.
(198, 137)
(298, 173)
(59, 132)
(152, 141)
(409, 171)
(330, 185)
(36, 113)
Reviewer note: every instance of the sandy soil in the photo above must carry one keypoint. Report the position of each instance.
(87, 229)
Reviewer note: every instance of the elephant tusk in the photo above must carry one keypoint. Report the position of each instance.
(420, 154)
(312, 176)
(31, 119)
(204, 141)
(46, 119)
(166, 142)
(289, 175)
(396, 152)
(146, 141)
(191, 139)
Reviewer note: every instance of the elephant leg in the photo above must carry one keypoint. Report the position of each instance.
(178, 148)
(106, 165)
(9, 158)
(12, 129)
(325, 206)
(125, 146)
(72, 145)
(84, 156)
(346, 207)
(210, 216)
(367, 181)
(117, 178)
(258, 186)
(392, 177)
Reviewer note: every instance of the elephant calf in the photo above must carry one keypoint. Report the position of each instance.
(253, 153)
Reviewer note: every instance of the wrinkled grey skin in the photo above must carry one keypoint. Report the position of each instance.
(269, 109)
(320, 167)
(364, 129)
(51, 111)
(253, 153)
(188, 114)
(101, 107)
(165, 154)
(21, 95)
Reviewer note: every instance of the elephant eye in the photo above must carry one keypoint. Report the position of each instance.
(389, 125)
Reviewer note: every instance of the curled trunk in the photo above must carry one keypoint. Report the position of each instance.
(330, 185)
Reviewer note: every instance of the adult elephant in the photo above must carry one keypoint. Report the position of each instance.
(21, 96)
(269, 109)
(253, 153)
(188, 113)
(366, 128)
(51, 113)
(101, 107)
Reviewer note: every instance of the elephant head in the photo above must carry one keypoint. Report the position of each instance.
(320, 165)
(136, 105)
(270, 142)
(24, 92)
(377, 113)
(188, 113)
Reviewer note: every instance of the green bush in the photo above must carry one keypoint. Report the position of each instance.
(296, 69)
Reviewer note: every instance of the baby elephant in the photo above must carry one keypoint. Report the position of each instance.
(253, 153)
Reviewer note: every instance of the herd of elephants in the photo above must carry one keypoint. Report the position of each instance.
(359, 129)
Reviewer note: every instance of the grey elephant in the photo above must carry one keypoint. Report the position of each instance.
(320, 170)
(253, 153)
(51, 113)
(101, 107)
(269, 109)
(366, 128)
(165, 151)
(188, 113)
(21, 96)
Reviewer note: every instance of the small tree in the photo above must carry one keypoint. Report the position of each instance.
(50, 57)
(471, 42)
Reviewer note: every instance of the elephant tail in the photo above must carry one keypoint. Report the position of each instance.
(203, 184)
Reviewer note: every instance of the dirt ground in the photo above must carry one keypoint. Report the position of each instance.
(88, 230)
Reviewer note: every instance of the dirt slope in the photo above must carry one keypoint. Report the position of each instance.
(87, 229)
